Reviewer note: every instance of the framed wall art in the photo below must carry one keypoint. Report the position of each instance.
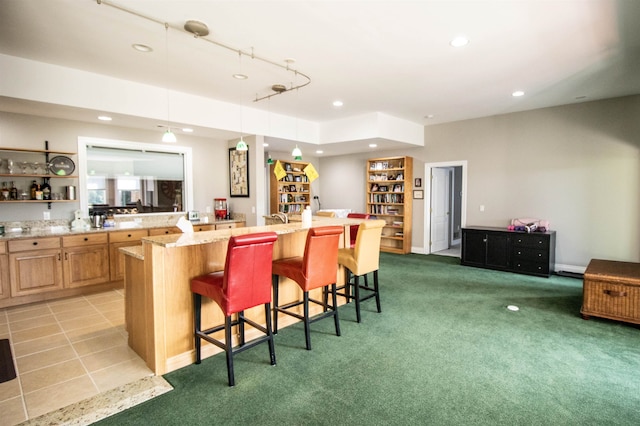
(238, 173)
(418, 194)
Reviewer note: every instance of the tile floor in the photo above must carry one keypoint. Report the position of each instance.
(65, 351)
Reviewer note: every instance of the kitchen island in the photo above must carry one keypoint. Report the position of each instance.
(158, 298)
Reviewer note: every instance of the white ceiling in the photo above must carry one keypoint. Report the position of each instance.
(392, 57)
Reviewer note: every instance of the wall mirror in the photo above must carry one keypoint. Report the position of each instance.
(128, 177)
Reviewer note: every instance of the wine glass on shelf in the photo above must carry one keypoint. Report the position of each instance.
(10, 166)
(35, 166)
(24, 166)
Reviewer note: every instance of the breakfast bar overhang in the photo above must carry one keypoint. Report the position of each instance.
(158, 299)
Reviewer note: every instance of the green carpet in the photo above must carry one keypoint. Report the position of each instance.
(444, 351)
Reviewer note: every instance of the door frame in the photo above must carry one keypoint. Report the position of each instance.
(427, 197)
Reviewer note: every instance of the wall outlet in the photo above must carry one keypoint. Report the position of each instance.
(46, 215)
(482, 208)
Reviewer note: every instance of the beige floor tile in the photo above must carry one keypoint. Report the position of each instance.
(35, 333)
(107, 358)
(68, 305)
(3, 317)
(93, 330)
(116, 305)
(100, 298)
(85, 311)
(4, 331)
(116, 318)
(10, 389)
(120, 374)
(52, 375)
(82, 322)
(20, 313)
(12, 411)
(45, 358)
(66, 393)
(34, 322)
(38, 345)
(100, 343)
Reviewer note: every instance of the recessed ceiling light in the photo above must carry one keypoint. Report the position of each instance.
(265, 144)
(459, 41)
(337, 103)
(187, 130)
(373, 145)
(104, 118)
(429, 116)
(142, 48)
(319, 151)
(240, 76)
(517, 93)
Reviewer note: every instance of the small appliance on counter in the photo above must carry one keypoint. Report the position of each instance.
(220, 208)
(194, 216)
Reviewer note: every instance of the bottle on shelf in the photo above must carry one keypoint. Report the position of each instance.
(34, 188)
(6, 192)
(46, 190)
(13, 191)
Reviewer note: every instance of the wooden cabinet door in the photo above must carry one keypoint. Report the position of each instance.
(35, 271)
(4, 276)
(119, 239)
(86, 265)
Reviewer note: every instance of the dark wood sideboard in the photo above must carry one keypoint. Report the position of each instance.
(521, 252)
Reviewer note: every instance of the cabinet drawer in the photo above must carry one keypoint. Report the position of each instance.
(34, 244)
(530, 267)
(84, 240)
(200, 228)
(530, 254)
(164, 231)
(225, 225)
(122, 236)
(531, 240)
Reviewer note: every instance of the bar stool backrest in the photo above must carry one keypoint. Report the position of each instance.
(320, 261)
(367, 249)
(247, 271)
(353, 230)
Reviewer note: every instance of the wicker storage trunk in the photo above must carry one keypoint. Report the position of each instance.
(611, 290)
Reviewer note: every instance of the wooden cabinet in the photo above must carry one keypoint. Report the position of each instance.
(496, 248)
(119, 239)
(4, 272)
(35, 265)
(292, 193)
(229, 225)
(23, 166)
(86, 259)
(389, 197)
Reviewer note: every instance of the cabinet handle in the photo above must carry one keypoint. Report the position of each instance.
(35, 243)
(614, 293)
(128, 235)
(86, 239)
(66, 256)
(519, 253)
(59, 258)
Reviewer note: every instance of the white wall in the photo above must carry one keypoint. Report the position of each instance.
(575, 165)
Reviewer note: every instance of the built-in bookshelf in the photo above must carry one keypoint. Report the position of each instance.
(389, 197)
(292, 193)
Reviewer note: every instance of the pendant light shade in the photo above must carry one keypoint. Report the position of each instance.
(296, 153)
(241, 145)
(169, 137)
(269, 160)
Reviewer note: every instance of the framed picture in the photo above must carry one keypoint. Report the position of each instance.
(418, 182)
(238, 173)
(418, 194)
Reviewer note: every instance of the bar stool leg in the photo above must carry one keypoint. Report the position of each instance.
(307, 332)
(267, 316)
(356, 287)
(375, 286)
(197, 303)
(336, 320)
(229, 349)
(241, 328)
(275, 281)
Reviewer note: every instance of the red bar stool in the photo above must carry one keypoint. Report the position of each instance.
(353, 230)
(361, 260)
(244, 283)
(317, 268)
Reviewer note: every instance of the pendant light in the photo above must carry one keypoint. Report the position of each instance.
(296, 153)
(168, 135)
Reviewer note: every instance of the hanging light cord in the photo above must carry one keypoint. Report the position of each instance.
(217, 43)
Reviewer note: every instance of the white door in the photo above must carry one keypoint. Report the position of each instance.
(439, 209)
